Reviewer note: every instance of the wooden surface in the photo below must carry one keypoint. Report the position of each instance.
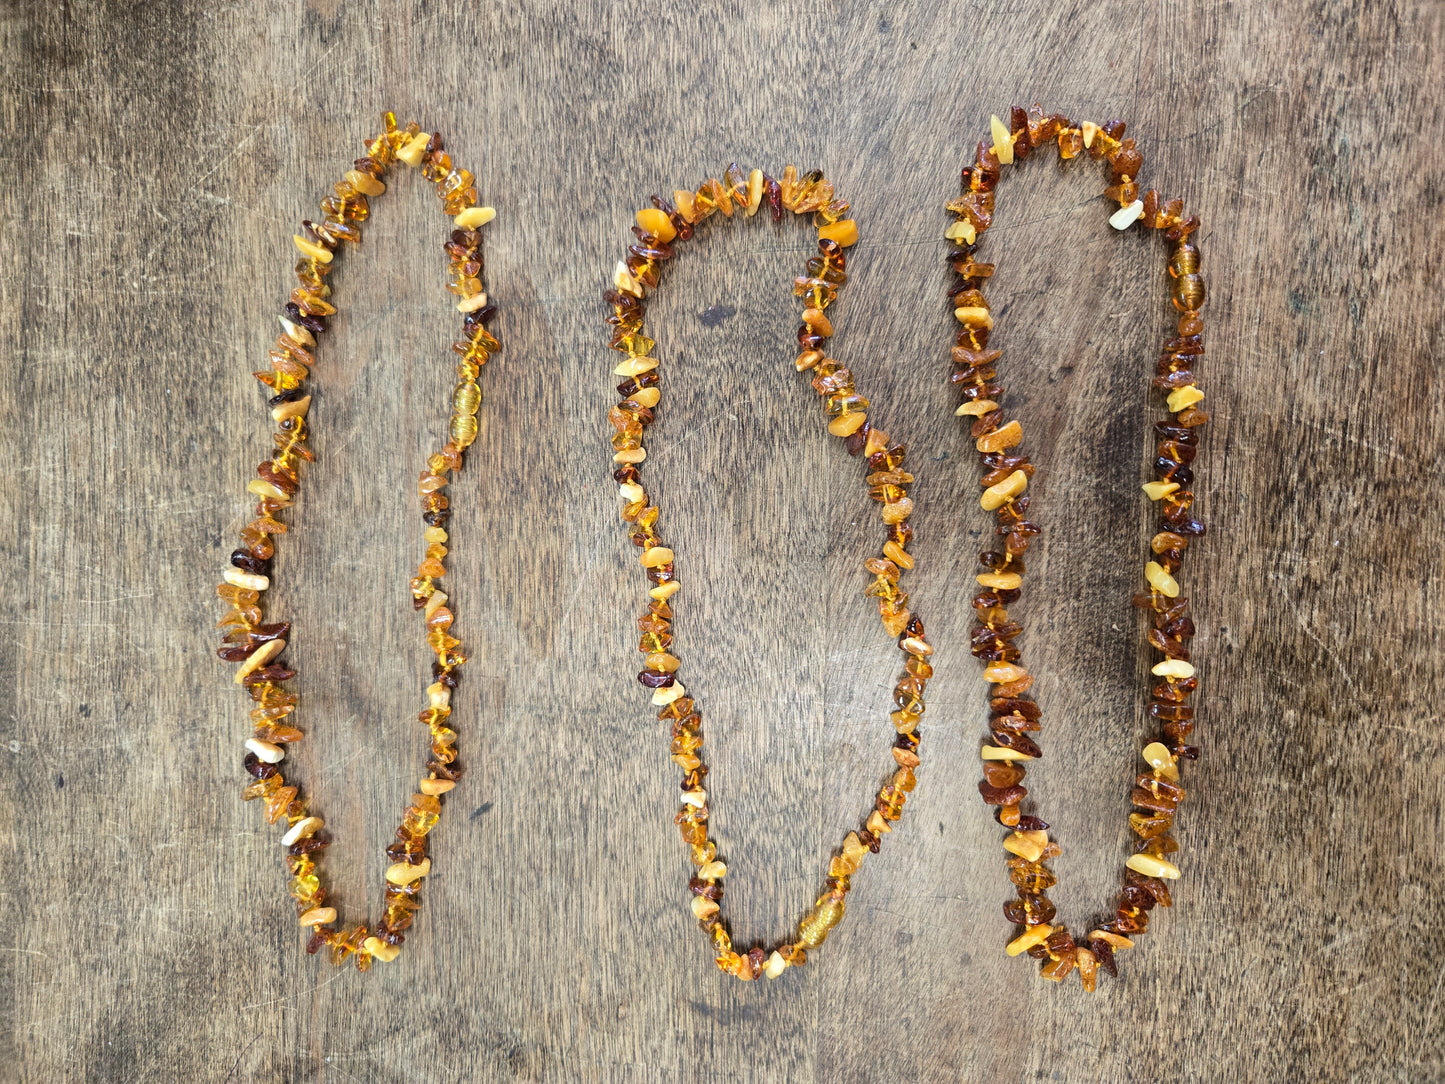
(156, 161)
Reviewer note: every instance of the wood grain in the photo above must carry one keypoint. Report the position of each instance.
(157, 158)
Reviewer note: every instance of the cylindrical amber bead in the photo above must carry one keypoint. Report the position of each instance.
(463, 429)
(1188, 292)
(466, 397)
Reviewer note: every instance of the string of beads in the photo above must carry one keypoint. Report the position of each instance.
(741, 194)
(1157, 791)
(258, 645)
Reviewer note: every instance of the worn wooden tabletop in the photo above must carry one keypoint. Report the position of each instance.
(157, 158)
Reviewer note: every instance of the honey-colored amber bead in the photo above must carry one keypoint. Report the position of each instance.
(897, 554)
(1173, 668)
(364, 183)
(755, 192)
(466, 398)
(896, 511)
(1003, 144)
(259, 658)
(1187, 396)
(977, 408)
(635, 366)
(817, 322)
(1000, 752)
(1113, 940)
(304, 887)
(1151, 866)
(1004, 437)
(647, 397)
(1004, 673)
(413, 149)
(401, 873)
(1033, 935)
(473, 217)
(656, 557)
(1188, 293)
(463, 430)
(278, 801)
(295, 408)
(1000, 581)
(1027, 845)
(845, 232)
(657, 223)
(682, 200)
(973, 316)
(1161, 760)
(624, 280)
(311, 250)
(374, 946)
(248, 581)
(1160, 580)
(1088, 965)
(995, 496)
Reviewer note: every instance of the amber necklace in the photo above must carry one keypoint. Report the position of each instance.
(742, 193)
(1156, 792)
(258, 646)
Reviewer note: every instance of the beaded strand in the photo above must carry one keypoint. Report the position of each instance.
(743, 194)
(258, 646)
(1156, 792)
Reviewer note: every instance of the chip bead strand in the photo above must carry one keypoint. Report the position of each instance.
(257, 645)
(1015, 717)
(741, 194)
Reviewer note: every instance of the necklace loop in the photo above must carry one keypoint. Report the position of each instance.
(258, 646)
(741, 194)
(1007, 472)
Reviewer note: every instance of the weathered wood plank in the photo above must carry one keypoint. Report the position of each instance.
(157, 161)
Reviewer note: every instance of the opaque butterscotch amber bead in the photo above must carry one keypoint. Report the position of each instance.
(844, 232)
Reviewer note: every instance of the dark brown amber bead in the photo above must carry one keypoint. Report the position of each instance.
(1015, 706)
(316, 842)
(236, 652)
(773, 192)
(1138, 897)
(1014, 724)
(1129, 919)
(1019, 126)
(656, 679)
(1105, 953)
(992, 795)
(1158, 890)
(1029, 910)
(1018, 742)
(247, 562)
